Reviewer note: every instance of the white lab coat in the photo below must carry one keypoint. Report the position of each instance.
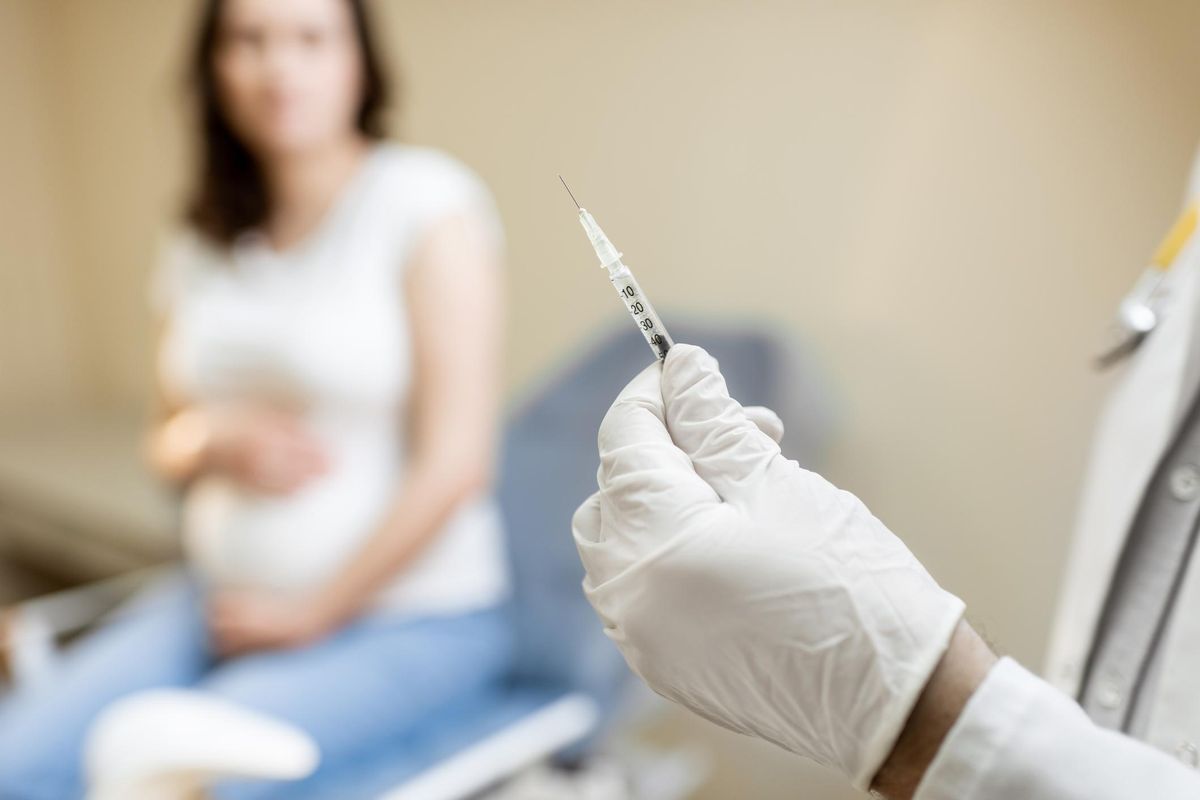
(1137, 426)
(1018, 737)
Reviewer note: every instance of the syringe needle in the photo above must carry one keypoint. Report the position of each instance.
(568, 188)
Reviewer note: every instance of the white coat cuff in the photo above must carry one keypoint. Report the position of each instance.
(1020, 737)
(1001, 706)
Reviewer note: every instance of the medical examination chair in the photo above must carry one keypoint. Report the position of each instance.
(569, 687)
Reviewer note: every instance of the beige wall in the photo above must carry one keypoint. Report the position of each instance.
(36, 360)
(118, 72)
(945, 199)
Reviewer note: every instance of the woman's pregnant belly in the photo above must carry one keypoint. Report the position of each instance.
(238, 537)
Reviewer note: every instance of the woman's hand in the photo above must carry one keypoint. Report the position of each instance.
(245, 620)
(264, 449)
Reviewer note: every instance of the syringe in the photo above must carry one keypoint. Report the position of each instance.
(627, 287)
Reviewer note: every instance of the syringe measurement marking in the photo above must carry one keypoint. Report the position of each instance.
(637, 309)
(640, 314)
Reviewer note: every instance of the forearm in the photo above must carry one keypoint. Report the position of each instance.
(984, 730)
(428, 496)
(966, 664)
(1018, 737)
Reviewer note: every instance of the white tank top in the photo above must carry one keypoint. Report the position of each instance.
(323, 328)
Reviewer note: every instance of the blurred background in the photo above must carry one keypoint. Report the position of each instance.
(942, 202)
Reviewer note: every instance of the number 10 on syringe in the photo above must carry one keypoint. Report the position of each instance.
(627, 287)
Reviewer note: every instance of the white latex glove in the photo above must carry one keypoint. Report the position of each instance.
(751, 591)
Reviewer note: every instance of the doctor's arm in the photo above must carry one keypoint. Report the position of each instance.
(772, 603)
(1015, 736)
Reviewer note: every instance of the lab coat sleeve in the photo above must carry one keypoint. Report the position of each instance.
(1018, 737)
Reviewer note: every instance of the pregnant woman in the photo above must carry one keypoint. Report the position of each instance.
(329, 369)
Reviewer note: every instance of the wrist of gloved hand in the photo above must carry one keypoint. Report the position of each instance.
(746, 588)
(959, 673)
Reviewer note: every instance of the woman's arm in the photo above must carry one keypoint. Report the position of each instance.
(455, 293)
(178, 443)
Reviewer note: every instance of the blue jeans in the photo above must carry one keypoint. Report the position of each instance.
(377, 680)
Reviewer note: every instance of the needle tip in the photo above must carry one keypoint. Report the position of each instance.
(568, 188)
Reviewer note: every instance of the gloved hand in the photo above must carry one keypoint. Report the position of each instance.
(747, 589)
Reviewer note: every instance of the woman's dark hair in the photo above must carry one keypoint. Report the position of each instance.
(229, 196)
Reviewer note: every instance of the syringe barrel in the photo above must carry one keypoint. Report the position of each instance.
(640, 309)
